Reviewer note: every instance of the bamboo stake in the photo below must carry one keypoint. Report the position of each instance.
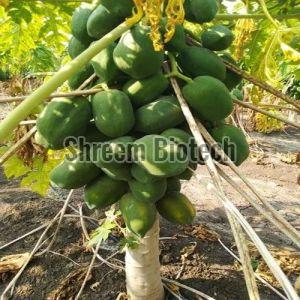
(87, 82)
(38, 96)
(28, 122)
(257, 276)
(54, 95)
(285, 227)
(265, 86)
(17, 145)
(228, 205)
(264, 112)
(275, 106)
(236, 229)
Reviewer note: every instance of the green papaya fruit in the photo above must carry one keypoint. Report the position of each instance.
(209, 98)
(232, 140)
(173, 184)
(200, 11)
(93, 135)
(79, 23)
(63, 118)
(159, 115)
(113, 113)
(41, 141)
(177, 135)
(178, 40)
(141, 175)
(176, 208)
(101, 21)
(143, 91)
(120, 8)
(104, 65)
(186, 141)
(76, 47)
(193, 152)
(74, 172)
(186, 175)
(139, 216)
(104, 191)
(135, 55)
(197, 61)
(152, 191)
(232, 79)
(115, 171)
(80, 77)
(112, 157)
(159, 156)
(217, 38)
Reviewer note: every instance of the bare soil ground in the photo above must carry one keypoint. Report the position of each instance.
(208, 268)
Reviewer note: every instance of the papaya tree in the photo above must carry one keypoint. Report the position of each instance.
(137, 142)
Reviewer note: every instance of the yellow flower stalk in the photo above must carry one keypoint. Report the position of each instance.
(154, 10)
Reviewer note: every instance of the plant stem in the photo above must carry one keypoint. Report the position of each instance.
(228, 17)
(266, 12)
(38, 96)
(174, 70)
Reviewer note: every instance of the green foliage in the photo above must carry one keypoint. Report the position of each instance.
(36, 177)
(35, 34)
(104, 230)
(129, 242)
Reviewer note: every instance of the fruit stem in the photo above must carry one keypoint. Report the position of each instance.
(38, 96)
(267, 14)
(174, 70)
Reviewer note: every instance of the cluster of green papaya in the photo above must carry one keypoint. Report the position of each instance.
(139, 145)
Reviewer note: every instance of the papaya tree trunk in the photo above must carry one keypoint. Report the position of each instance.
(142, 268)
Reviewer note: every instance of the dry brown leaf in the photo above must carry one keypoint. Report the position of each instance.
(13, 263)
(202, 232)
(28, 151)
(122, 296)
(69, 286)
(289, 262)
(188, 250)
(288, 158)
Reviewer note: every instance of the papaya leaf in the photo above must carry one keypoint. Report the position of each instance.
(129, 242)
(38, 178)
(102, 233)
(14, 167)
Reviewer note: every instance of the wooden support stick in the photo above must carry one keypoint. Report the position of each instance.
(16, 146)
(264, 112)
(54, 95)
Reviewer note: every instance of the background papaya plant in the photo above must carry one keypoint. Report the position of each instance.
(35, 35)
